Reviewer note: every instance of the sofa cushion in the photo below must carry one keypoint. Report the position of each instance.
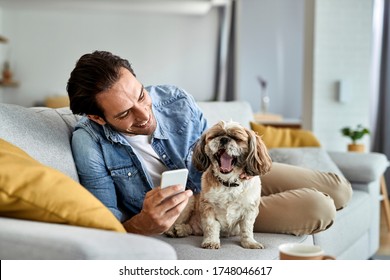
(188, 248)
(43, 133)
(32, 191)
(308, 157)
(274, 137)
(48, 241)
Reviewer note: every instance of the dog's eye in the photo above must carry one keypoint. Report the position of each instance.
(238, 137)
(214, 135)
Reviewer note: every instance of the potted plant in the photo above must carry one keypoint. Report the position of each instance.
(355, 135)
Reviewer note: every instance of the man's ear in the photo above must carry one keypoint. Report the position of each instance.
(97, 119)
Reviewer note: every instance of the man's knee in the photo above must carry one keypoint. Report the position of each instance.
(342, 192)
(322, 212)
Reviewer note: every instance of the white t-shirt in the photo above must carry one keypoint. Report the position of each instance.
(149, 158)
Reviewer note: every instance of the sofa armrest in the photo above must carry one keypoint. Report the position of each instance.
(360, 167)
(21, 239)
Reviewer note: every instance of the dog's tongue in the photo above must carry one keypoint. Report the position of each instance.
(226, 163)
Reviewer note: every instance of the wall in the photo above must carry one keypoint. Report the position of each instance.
(271, 34)
(2, 51)
(342, 51)
(163, 48)
(302, 48)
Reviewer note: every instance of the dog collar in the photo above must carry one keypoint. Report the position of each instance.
(227, 183)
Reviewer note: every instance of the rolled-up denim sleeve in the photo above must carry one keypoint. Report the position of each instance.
(92, 171)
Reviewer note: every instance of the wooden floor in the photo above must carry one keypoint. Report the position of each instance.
(384, 249)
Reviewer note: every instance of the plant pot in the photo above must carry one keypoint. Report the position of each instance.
(356, 148)
(7, 76)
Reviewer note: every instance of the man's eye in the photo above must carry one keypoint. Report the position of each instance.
(142, 95)
(123, 116)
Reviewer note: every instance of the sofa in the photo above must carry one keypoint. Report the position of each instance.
(75, 226)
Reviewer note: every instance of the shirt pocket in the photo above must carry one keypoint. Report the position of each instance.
(124, 174)
(130, 187)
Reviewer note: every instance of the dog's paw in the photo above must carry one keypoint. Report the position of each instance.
(180, 230)
(211, 245)
(170, 233)
(251, 244)
(183, 230)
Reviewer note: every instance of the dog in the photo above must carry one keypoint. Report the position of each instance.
(231, 158)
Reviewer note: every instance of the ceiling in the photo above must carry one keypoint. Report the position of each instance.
(171, 6)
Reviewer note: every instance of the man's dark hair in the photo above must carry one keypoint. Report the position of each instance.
(93, 73)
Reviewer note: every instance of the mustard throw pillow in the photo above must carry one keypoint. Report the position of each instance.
(32, 191)
(275, 137)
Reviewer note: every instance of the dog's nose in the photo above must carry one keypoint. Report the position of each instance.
(224, 140)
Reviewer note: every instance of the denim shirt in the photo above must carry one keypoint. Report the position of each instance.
(109, 168)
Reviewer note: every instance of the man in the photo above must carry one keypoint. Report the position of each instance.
(131, 134)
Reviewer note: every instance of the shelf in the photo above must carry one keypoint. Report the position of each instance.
(295, 124)
(277, 121)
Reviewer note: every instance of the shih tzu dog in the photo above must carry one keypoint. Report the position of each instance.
(231, 158)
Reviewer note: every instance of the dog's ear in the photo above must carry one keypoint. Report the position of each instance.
(258, 162)
(199, 157)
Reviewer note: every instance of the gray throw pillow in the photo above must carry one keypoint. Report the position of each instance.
(308, 157)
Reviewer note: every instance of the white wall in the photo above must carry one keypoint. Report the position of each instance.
(275, 43)
(342, 51)
(163, 48)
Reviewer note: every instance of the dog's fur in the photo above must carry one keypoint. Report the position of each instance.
(232, 158)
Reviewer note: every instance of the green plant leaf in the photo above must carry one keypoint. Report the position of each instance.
(355, 134)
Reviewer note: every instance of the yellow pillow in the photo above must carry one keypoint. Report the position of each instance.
(32, 191)
(274, 137)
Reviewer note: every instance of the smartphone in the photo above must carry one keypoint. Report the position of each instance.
(174, 177)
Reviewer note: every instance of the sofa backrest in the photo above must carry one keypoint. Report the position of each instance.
(43, 133)
(215, 111)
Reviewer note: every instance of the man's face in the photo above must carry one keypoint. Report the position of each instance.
(127, 106)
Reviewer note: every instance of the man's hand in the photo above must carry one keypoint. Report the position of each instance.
(160, 210)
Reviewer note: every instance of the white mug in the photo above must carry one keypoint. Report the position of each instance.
(297, 251)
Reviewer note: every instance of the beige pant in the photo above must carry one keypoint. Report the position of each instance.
(298, 201)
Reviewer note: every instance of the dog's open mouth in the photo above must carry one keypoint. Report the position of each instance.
(226, 162)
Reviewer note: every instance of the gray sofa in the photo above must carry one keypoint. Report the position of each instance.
(44, 134)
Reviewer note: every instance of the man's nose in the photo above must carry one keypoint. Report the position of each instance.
(140, 113)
